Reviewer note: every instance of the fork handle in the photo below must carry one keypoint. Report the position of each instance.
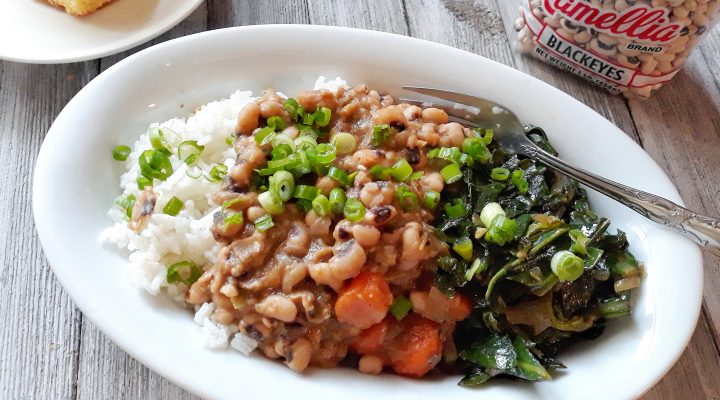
(701, 229)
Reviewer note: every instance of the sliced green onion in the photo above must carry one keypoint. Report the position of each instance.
(451, 173)
(230, 140)
(157, 140)
(264, 135)
(306, 192)
(264, 223)
(292, 107)
(305, 142)
(282, 139)
(282, 184)
(185, 271)
(276, 123)
(499, 174)
(143, 181)
(401, 171)
(431, 199)
(308, 130)
(464, 248)
(455, 208)
(476, 268)
(337, 201)
(579, 242)
(121, 152)
(189, 151)
(271, 203)
(322, 116)
(501, 230)
(400, 307)
(406, 198)
(381, 134)
(322, 154)
(380, 173)
(308, 118)
(567, 266)
(486, 137)
(339, 175)
(451, 154)
(321, 205)
(344, 143)
(281, 151)
(230, 203)
(354, 210)
(304, 204)
(285, 163)
(217, 173)
(155, 165)
(517, 178)
(417, 175)
(126, 203)
(193, 172)
(615, 307)
(234, 219)
(475, 148)
(173, 206)
(489, 212)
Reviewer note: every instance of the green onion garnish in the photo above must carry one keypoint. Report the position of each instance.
(567, 266)
(400, 307)
(476, 268)
(455, 208)
(321, 205)
(322, 154)
(464, 248)
(401, 171)
(282, 139)
(304, 204)
(217, 173)
(121, 152)
(517, 178)
(499, 174)
(475, 148)
(264, 223)
(230, 203)
(406, 198)
(489, 212)
(282, 184)
(155, 165)
(354, 210)
(339, 175)
(306, 192)
(451, 173)
(322, 116)
(501, 230)
(380, 173)
(417, 175)
(184, 271)
(189, 151)
(487, 137)
(305, 142)
(264, 135)
(234, 219)
(381, 133)
(431, 199)
(276, 123)
(193, 172)
(344, 143)
(451, 154)
(157, 140)
(337, 201)
(292, 107)
(143, 181)
(308, 118)
(281, 151)
(271, 202)
(230, 140)
(126, 203)
(173, 206)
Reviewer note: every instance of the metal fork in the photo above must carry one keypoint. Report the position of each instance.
(510, 133)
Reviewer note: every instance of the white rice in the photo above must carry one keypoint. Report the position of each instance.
(185, 237)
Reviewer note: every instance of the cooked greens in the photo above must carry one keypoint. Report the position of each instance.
(537, 262)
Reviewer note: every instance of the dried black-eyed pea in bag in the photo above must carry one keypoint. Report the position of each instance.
(626, 46)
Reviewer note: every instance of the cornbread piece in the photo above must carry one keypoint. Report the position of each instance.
(79, 7)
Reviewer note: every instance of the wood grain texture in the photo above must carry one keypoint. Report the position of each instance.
(39, 334)
(51, 353)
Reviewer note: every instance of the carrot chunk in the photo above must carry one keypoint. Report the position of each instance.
(364, 301)
(371, 339)
(416, 349)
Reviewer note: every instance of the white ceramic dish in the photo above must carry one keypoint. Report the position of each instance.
(75, 183)
(35, 32)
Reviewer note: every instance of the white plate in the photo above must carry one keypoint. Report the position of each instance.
(75, 183)
(35, 32)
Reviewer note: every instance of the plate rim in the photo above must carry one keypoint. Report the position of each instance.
(144, 359)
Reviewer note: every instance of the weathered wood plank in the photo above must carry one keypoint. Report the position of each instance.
(39, 336)
(227, 13)
(388, 16)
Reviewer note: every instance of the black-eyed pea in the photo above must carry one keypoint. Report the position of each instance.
(565, 33)
(659, 3)
(665, 56)
(664, 67)
(675, 3)
(537, 13)
(535, 3)
(553, 21)
(691, 5)
(649, 66)
(625, 61)
(679, 62)
(519, 23)
(683, 21)
(570, 26)
(602, 48)
(700, 19)
(622, 48)
(681, 11)
(583, 36)
(621, 5)
(643, 91)
(701, 8)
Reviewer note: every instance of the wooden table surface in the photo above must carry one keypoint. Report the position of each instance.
(49, 351)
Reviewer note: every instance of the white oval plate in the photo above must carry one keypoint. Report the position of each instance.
(76, 181)
(33, 31)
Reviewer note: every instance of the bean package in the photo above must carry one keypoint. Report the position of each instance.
(626, 46)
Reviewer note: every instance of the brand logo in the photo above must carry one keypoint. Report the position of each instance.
(641, 23)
